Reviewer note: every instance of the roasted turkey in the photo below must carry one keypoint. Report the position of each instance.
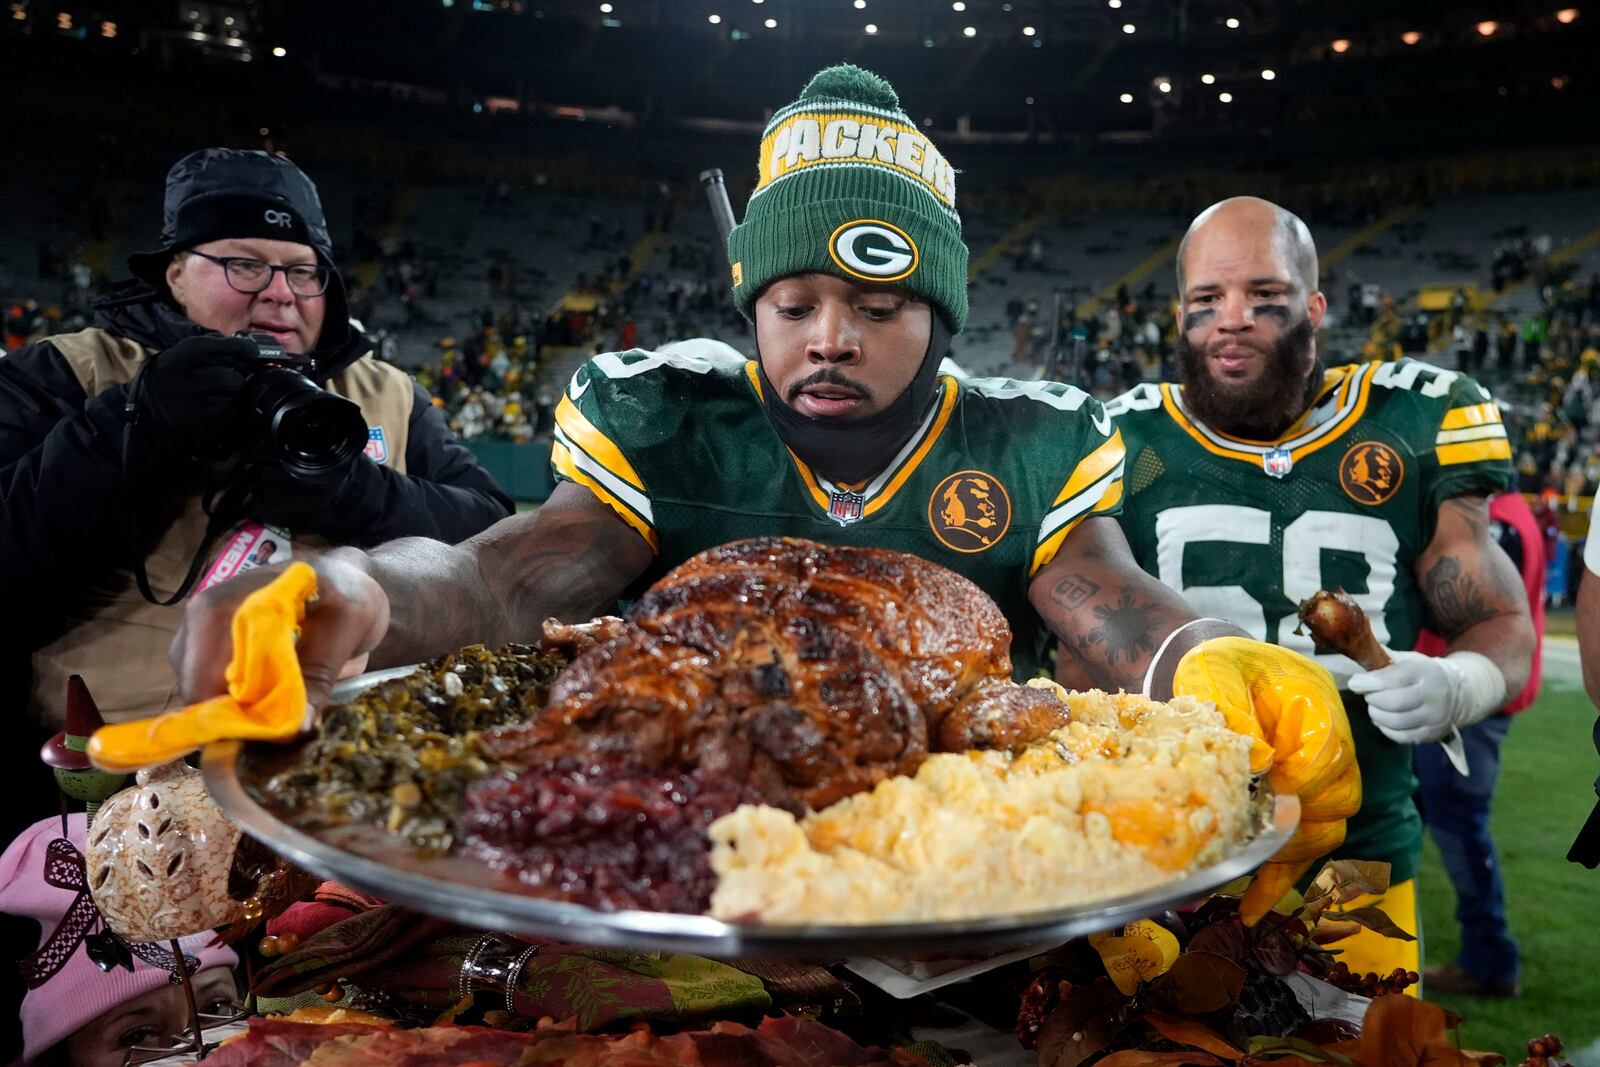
(804, 672)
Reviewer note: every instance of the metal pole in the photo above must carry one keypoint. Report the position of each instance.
(717, 196)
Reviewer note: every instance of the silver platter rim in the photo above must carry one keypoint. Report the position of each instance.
(510, 912)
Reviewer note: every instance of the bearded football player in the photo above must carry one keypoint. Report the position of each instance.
(850, 263)
(1264, 477)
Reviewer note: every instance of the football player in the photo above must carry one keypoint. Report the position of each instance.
(850, 263)
(1264, 477)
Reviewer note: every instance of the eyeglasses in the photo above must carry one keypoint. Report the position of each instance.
(247, 275)
(183, 1047)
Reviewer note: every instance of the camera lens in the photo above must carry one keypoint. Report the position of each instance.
(315, 432)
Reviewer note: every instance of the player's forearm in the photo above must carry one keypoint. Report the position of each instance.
(1475, 595)
(1507, 641)
(569, 561)
(1121, 627)
(437, 601)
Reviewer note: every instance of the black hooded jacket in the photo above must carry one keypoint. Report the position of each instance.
(65, 519)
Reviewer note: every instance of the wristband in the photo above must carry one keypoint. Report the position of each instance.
(1479, 690)
(1149, 675)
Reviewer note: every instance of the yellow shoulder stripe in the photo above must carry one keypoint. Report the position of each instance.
(1324, 437)
(946, 405)
(1475, 415)
(1092, 468)
(561, 459)
(1047, 551)
(588, 437)
(1473, 451)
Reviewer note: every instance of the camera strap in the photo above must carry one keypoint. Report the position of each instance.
(223, 507)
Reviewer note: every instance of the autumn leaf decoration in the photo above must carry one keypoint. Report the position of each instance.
(1202, 988)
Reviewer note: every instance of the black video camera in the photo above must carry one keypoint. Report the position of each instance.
(312, 432)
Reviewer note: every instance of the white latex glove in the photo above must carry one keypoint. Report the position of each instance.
(1420, 698)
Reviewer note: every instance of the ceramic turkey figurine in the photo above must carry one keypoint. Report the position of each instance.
(64, 753)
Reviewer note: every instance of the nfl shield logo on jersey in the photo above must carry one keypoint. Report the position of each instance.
(1277, 462)
(845, 508)
(377, 448)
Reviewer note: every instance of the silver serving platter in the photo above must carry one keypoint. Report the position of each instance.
(511, 912)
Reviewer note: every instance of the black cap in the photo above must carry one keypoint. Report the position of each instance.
(222, 193)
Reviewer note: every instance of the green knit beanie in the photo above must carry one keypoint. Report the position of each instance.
(849, 187)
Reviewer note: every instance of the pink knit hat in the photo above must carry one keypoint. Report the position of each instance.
(79, 992)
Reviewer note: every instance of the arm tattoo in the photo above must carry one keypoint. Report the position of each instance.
(1455, 597)
(1127, 629)
(1073, 591)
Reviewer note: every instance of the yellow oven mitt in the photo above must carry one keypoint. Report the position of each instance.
(266, 698)
(1290, 708)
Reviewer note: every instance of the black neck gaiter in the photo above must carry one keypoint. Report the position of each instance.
(854, 450)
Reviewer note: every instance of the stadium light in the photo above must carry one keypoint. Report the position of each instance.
(969, 31)
(1164, 85)
(1411, 37)
(605, 9)
(713, 19)
(872, 27)
(280, 51)
(1268, 75)
(1226, 98)
(1127, 27)
(1232, 24)
(1341, 46)
(771, 24)
(1126, 98)
(958, 6)
(1114, 4)
(1487, 27)
(1208, 79)
(1567, 16)
(861, 5)
(1028, 31)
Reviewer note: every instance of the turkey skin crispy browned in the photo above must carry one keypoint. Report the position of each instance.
(807, 672)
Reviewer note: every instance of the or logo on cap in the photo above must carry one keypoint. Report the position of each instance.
(275, 217)
(1371, 472)
(738, 274)
(873, 250)
(969, 511)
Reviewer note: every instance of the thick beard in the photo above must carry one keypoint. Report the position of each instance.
(1258, 410)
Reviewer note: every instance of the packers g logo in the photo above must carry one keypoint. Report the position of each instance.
(969, 511)
(1371, 473)
(873, 251)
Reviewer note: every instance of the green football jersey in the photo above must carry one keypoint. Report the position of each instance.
(996, 477)
(1348, 497)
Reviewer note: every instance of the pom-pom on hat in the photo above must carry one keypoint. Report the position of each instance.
(849, 186)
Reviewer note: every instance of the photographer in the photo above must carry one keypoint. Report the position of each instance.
(154, 453)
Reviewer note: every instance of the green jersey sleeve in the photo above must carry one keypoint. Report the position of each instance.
(1093, 483)
(589, 446)
(1471, 452)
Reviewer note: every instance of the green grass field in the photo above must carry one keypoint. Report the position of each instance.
(1545, 794)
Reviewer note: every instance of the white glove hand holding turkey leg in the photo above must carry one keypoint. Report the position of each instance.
(1420, 698)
